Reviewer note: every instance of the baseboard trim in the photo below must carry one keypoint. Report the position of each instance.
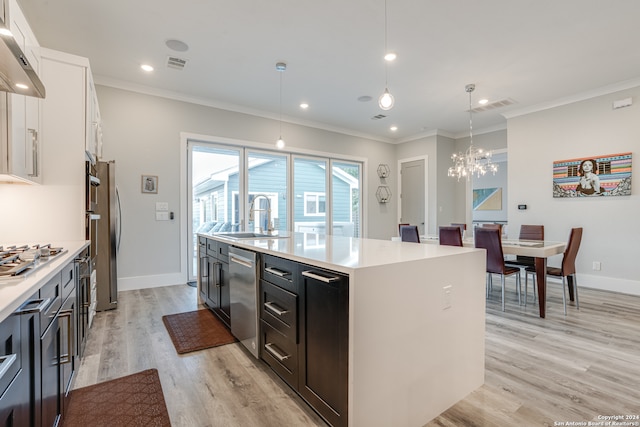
(624, 286)
(145, 282)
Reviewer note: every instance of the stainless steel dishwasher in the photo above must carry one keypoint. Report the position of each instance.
(243, 284)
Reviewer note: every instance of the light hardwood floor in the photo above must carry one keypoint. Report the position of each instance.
(538, 371)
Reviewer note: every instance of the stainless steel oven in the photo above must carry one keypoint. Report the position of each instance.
(91, 187)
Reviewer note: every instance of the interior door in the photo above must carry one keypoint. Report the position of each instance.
(412, 197)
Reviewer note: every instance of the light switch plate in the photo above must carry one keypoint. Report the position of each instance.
(162, 216)
(162, 206)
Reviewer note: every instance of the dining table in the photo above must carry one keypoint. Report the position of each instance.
(539, 250)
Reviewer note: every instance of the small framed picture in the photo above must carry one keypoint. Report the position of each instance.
(150, 184)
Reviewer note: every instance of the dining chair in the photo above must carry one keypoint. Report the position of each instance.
(527, 232)
(400, 225)
(450, 236)
(567, 268)
(409, 233)
(490, 240)
(462, 226)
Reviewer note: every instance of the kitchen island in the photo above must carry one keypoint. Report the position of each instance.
(416, 321)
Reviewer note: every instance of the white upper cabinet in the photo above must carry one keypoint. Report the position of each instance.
(22, 113)
(94, 125)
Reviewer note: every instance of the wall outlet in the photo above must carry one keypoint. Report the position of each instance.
(446, 296)
(596, 265)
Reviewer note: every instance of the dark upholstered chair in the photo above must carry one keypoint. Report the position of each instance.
(567, 269)
(527, 232)
(409, 233)
(461, 225)
(490, 240)
(493, 227)
(450, 236)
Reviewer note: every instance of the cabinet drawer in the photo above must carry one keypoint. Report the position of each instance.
(67, 277)
(52, 291)
(279, 308)
(10, 355)
(280, 272)
(280, 353)
(223, 252)
(212, 247)
(202, 241)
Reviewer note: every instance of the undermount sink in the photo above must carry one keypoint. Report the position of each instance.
(246, 235)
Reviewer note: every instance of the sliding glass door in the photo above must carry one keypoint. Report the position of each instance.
(234, 188)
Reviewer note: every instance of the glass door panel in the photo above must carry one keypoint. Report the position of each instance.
(345, 191)
(267, 184)
(214, 179)
(310, 195)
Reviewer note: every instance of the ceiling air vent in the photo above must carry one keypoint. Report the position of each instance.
(176, 63)
(494, 105)
(378, 117)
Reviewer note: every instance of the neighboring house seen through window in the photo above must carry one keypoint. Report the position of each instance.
(314, 204)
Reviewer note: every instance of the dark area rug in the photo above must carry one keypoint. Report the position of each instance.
(196, 330)
(134, 400)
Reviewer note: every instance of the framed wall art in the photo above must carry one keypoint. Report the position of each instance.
(608, 175)
(150, 184)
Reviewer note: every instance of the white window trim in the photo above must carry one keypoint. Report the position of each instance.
(317, 195)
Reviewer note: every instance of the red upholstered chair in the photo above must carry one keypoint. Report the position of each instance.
(450, 236)
(567, 269)
(409, 233)
(490, 240)
(527, 232)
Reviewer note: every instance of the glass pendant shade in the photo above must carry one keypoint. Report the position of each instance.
(280, 143)
(386, 100)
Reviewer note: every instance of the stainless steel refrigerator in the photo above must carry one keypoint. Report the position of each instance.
(108, 237)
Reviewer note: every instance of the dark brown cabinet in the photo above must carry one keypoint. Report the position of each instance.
(304, 314)
(213, 273)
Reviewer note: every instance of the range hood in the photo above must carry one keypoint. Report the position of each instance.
(16, 74)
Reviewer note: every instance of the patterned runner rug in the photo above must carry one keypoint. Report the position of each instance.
(196, 330)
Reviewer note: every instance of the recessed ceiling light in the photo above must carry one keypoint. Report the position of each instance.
(483, 101)
(177, 45)
(304, 105)
(393, 128)
(146, 67)
(22, 86)
(364, 98)
(391, 56)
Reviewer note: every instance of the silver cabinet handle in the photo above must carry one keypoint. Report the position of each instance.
(273, 350)
(66, 358)
(6, 362)
(275, 308)
(277, 272)
(315, 276)
(34, 151)
(42, 304)
(241, 261)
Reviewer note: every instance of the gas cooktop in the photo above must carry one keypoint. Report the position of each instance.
(19, 261)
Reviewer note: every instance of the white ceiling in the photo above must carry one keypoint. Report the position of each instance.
(535, 52)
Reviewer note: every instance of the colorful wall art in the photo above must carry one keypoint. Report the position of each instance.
(487, 199)
(608, 175)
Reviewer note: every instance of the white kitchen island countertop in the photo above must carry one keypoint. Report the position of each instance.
(14, 292)
(416, 321)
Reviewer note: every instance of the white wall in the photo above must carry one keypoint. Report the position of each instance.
(142, 134)
(611, 226)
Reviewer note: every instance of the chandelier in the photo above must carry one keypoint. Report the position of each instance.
(474, 161)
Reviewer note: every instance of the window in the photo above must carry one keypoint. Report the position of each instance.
(314, 204)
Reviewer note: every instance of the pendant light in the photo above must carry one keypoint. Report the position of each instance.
(386, 100)
(474, 161)
(281, 68)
